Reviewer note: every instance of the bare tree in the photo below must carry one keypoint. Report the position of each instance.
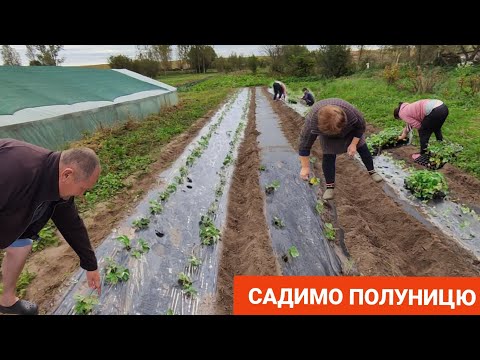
(142, 51)
(31, 53)
(10, 56)
(165, 56)
(470, 52)
(47, 55)
(162, 54)
(360, 53)
(183, 51)
(275, 54)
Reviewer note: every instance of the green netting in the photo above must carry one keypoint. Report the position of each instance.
(32, 86)
(53, 133)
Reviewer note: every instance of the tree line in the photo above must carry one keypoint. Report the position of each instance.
(292, 60)
(38, 55)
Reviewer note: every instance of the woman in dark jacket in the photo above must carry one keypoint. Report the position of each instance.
(340, 128)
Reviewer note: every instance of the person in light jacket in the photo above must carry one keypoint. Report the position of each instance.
(427, 115)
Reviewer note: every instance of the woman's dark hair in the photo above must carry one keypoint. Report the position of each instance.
(304, 89)
(397, 110)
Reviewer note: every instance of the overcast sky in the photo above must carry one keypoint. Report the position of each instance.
(99, 54)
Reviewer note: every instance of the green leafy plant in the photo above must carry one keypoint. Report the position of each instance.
(319, 207)
(209, 234)
(141, 223)
(184, 279)
(270, 188)
(194, 261)
(465, 209)
(278, 223)
(155, 207)
(23, 281)
(137, 254)
(383, 139)
(183, 171)
(219, 191)
(164, 196)
(262, 168)
(186, 282)
(47, 237)
(141, 249)
(125, 240)
(426, 184)
(442, 152)
(314, 181)
(228, 159)
(312, 159)
(115, 273)
(329, 231)
(144, 247)
(171, 188)
(84, 305)
(170, 312)
(189, 291)
(203, 142)
(293, 252)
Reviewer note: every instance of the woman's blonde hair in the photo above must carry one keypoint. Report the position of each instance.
(331, 120)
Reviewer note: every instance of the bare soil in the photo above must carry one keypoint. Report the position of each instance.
(246, 244)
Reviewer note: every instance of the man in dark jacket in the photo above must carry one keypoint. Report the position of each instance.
(308, 97)
(38, 184)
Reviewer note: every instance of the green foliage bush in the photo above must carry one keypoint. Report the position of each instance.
(427, 185)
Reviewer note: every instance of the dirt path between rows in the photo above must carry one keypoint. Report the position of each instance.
(381, 238)
(246, 244)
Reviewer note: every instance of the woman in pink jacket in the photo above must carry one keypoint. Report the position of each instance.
(427, 116)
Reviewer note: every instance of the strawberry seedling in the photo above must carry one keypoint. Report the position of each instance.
(141, 223)
(329, 231)
(115, 273)
(270, 188)
(84, 305)
(124, 239)
(278, 223)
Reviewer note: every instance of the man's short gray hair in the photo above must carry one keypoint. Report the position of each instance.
(83, 158)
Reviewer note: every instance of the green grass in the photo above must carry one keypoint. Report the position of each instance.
(228, 81)
(179, 79)
(376, 100)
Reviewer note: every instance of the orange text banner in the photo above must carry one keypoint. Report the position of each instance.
(342, 295)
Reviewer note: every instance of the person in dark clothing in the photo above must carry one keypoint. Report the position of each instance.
(279, 90)
(37, 185)
(308, 97)
(340, 128)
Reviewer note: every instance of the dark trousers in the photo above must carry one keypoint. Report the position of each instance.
(328, 163)
(432, 124)
(278, 91)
